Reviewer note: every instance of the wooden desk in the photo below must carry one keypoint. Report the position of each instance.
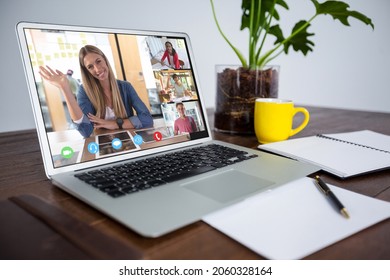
(22, 173)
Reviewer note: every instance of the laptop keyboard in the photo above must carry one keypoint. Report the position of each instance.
(147, 173)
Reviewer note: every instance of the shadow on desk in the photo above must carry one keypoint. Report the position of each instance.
(43, 231)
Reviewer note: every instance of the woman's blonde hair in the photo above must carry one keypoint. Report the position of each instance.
(95, 91)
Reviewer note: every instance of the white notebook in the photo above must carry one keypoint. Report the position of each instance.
(342, 154)
(296, 219)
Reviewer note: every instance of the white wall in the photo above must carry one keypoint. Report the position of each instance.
(348, 68)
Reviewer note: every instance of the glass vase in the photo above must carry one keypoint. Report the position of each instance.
(237, 89)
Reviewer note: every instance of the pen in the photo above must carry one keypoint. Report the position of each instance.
(326, 190)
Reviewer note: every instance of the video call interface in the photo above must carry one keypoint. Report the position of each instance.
(163, 80)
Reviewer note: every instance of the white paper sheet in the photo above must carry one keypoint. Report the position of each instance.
(296, 219)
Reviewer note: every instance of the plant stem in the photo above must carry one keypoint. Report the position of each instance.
(273, 57)
(255, 61)
(238, 53)
(252, 38)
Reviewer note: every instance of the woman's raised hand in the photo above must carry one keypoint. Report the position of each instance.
(56, 78)
(59, 79)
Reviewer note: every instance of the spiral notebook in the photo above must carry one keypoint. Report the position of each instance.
(342, 154)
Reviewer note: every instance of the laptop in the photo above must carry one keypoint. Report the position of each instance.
(147, 198)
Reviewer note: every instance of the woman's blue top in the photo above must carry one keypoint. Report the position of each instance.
(131, 100)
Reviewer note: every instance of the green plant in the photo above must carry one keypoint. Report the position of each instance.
(258, 15)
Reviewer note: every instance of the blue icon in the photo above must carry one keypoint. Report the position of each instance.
(93, 147)
(138, 139)
(116, 143)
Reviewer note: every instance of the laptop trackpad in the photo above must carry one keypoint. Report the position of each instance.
(228, 185)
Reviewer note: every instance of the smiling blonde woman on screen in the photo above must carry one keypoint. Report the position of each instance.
(102, 100)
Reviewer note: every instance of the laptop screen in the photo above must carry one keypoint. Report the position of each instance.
(154, 96)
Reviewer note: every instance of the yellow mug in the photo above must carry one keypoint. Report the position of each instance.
(274, 119)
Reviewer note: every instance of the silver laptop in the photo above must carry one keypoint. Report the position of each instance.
(146, 198)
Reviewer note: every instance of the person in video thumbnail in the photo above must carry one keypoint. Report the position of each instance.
(183, 124)
(171, 55)
(179, 89)
(102, 100)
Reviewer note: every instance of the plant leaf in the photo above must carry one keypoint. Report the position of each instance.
(339, 11)
(266, 8)
(277, 32)
(300, 41)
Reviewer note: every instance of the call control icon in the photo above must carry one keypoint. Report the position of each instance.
(67, 152)
(116, 143)
(93, 147)
(138, 139)
(157, 136)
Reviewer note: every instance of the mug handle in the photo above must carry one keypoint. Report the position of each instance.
(305, 120)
